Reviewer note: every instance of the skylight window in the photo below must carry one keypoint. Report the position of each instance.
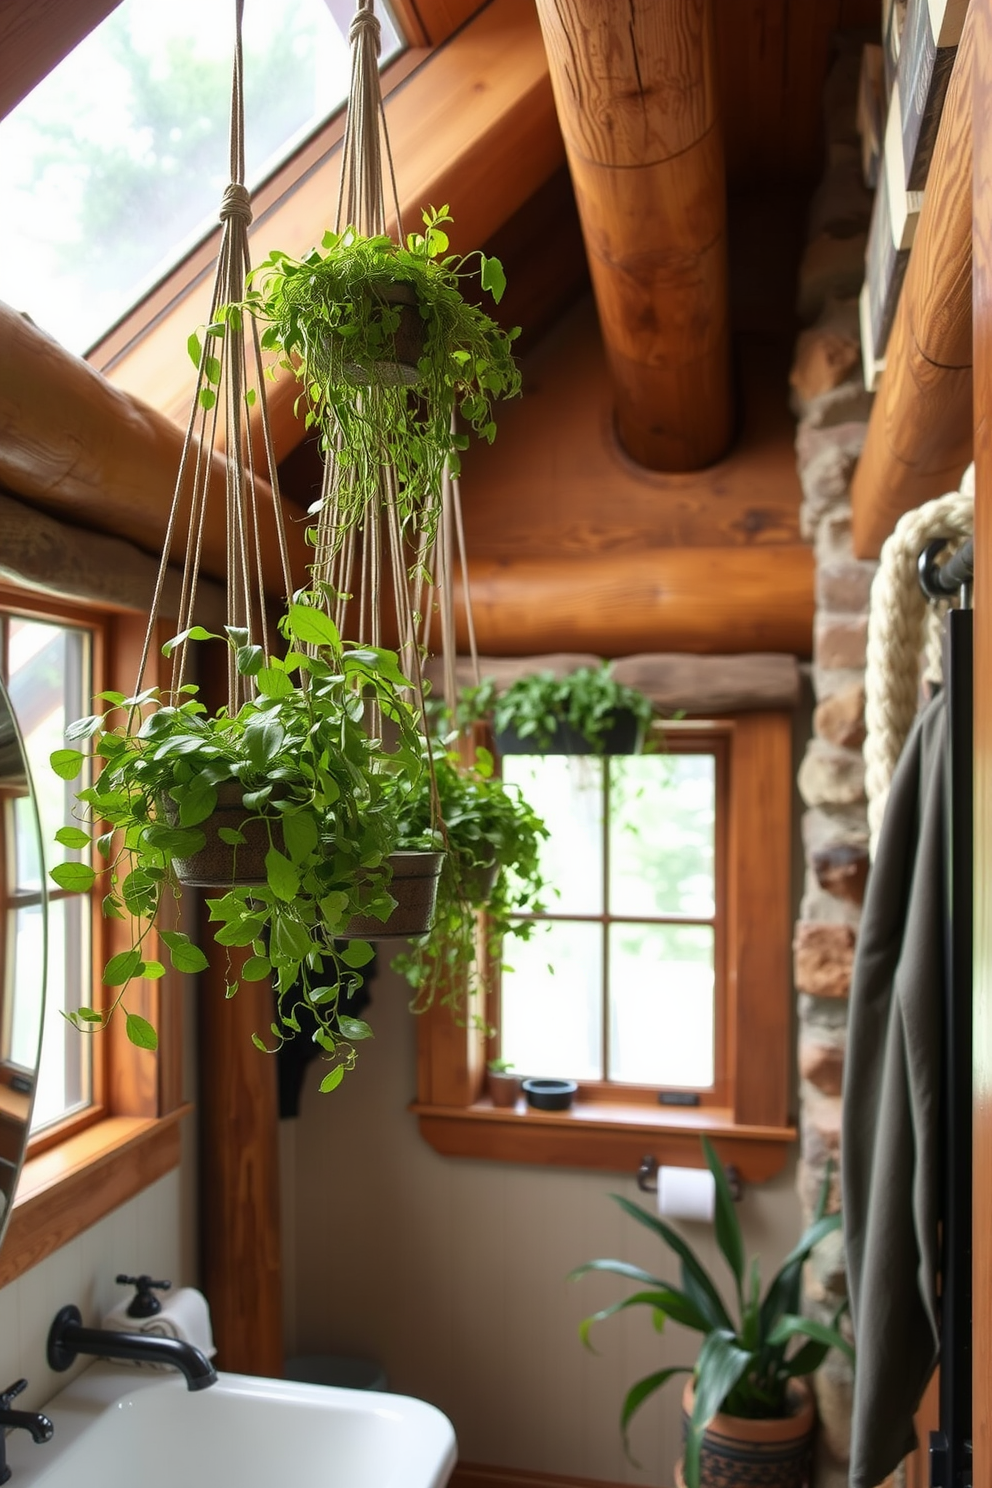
(114, 166)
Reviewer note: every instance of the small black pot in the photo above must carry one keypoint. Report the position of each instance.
(625, 735)
(550, 1095)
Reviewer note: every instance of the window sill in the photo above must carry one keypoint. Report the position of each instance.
(600, 1135)
(64, 1190)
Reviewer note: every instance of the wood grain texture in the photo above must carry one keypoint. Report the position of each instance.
(106, 461)
(35, 35)
(68, 1188)
(636, 100)
(716, 600)
(919, 437)
(980, 20)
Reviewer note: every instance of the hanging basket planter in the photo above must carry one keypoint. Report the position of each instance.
(740, 1452)
(226, 865)
(414, 887)
(623, 733)
(405, 342)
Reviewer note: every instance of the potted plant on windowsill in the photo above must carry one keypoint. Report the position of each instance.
(502, 1083)
(747, 1396)
(387, 350)
(306, 778)
(584, 712)
(492, 840)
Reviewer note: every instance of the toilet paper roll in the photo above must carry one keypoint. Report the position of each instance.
(686, 1193)
(184, 1315)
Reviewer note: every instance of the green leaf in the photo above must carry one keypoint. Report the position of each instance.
(231, 836)
(211, 367)
(728, 1230)
(179, 842)
(300, 832)
(790, 1327)
(195, 348)
(353, 1028)
(333, 1080)
(153, 970)
(141, 1032)
(256, 968)
(782, 1296)
(695, 1281)
(263, 739)
(88, 1015)
(76, 877)
(73, 837)
(249, 660)
(357, 953)
(312, 626)
(240, 932)
(661, 1298)
(185, 956)
(642, 1391)
(122, 967)
(493, 278)
(283, 878)
(272, 683)
(193, 633)
(196, 803)
(720, 1366)
(207, 397)
(67, 763)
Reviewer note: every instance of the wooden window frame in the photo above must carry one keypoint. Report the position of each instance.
(751, 1128)
(80, 1169)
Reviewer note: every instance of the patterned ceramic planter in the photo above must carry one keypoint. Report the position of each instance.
(741, 1453)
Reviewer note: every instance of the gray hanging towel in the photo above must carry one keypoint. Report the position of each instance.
(891, 1109)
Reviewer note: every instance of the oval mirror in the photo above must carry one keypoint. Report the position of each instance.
(23, 952)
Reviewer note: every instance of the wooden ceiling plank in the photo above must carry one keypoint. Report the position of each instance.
(636, 97)
(919, 437)
(35, 35)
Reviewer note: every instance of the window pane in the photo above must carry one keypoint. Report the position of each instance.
(551, 1022)
(662, 837)
(661, 1004)
(64, 1077)
(114, 165)
(567, 791)
(25, 969)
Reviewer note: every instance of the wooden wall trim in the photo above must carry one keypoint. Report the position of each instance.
(34, 37)
(919, 437)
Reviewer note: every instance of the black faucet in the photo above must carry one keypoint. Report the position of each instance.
(67, 1338)
(39, 1426)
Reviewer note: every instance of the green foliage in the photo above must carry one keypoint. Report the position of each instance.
(743, 1367)
(308, 776)
(330, 318)
(587, 700)
(486, 824)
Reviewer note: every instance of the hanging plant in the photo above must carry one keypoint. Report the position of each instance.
(584, 712)
(492, 837)
(302, 774)
(342, 319)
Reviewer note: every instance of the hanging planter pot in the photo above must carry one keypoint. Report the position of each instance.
(741, 1452)
(622, 733)
(405, 342)
(220, 864)
(414, 887)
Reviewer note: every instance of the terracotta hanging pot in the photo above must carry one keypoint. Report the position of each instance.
(414, 887)
(739, 1452)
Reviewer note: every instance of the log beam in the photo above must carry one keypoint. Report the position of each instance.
(75, 446)
(699, 600)
(635, 91)
(919, 436)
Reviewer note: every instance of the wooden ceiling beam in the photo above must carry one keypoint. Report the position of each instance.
(636, 97)
(73, 445)
(700, 600)
(34, 37)
(919, 437)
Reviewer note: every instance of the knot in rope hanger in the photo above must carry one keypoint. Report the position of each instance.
(236, 202)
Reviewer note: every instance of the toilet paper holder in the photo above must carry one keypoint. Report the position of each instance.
(647, 1178)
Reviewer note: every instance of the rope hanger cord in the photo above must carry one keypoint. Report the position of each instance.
(902, 625)
(239, 372)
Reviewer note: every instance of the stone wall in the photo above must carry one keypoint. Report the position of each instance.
(832, 408)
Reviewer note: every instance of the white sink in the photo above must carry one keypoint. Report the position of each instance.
(121, 1427)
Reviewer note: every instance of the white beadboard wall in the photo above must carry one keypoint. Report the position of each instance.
(451, 1273)
(146, 1234)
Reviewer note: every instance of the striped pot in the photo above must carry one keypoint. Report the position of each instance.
(742, 1453)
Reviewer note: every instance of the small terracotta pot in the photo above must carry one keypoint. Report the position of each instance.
(742, 1453)
(504, 1089)
(414, 887)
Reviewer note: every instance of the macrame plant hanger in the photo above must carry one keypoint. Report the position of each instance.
(229, 383)
(417, 563)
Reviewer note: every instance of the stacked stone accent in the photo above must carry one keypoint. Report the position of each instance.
(832, 406)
